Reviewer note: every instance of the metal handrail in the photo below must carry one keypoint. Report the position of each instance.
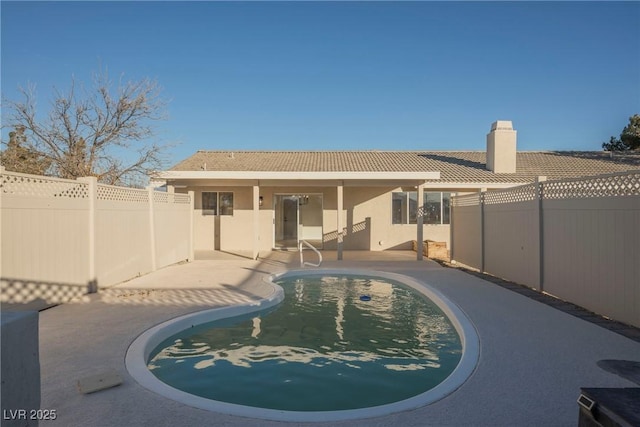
(302, 261)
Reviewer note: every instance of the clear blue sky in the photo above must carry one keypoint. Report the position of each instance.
(338, 75)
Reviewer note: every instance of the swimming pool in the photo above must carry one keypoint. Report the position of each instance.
(344, 344)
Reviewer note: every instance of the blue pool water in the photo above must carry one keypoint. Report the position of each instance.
(324, 348)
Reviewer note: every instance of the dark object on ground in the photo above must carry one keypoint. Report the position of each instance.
(609, 407)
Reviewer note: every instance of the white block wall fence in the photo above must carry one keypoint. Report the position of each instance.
(578, 239)
(65, 238)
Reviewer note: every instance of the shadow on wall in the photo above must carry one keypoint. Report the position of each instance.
(355, 236)
(404, 246)
(24, 294)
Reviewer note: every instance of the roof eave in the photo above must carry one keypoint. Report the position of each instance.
(291, 175)
(474, 185)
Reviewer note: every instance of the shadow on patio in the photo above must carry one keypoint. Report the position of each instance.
(530, 352)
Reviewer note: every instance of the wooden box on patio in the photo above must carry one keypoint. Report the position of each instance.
(433, 249)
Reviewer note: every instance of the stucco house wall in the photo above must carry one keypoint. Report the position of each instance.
(367, 179)
(366, 217)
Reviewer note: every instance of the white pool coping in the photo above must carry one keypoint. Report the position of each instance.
(141, 348)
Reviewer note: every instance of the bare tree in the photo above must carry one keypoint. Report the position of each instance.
(100, 132)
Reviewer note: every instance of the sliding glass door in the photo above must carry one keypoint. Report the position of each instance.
(297, 217)
(286, 221)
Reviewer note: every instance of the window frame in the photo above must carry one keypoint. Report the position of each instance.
(217, 208)
(223, 209)
(206, 207)
(407, 215)
(444, 213)
(408, 218)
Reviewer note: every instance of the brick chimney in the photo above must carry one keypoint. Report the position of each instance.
(501, 147)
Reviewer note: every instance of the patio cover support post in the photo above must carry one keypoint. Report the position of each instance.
(256, 221)
(482, 193)
(420, 222)
(451, 229)
(192, 210)
(339, 220)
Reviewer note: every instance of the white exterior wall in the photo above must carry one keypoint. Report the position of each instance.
(45, 247)
(366, 217)
(512, 243)
(236, 231)
(64, 238)
(204, 226)
(466, 234)
(592, 254)
(501, 147)
(576, 239)
(267, 214)
(44, 240)
(172, 227)
(123, 230)
(376, 203)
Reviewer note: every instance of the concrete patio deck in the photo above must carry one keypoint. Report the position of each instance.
(533, 358)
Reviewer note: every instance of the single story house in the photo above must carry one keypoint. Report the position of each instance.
(252, 202)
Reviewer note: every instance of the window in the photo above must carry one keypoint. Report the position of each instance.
(404, 205)
(211, 200)
(226, 203)
(432, 208)
(437, 207)
(398, 208)
(446, 208)
(209, 203)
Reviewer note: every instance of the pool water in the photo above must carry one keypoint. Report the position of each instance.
(334, 343)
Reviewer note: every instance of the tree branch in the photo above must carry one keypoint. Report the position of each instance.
(83, 128)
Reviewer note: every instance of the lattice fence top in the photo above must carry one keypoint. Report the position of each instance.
(183, 199)
(122, 194)
(523, 193)
(160, 197)
(613, 185)
(466, 200)
(42, 186)
(19, 184)
(177, 198)
(623, 184)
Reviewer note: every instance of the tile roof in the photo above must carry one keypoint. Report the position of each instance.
(454, 166)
